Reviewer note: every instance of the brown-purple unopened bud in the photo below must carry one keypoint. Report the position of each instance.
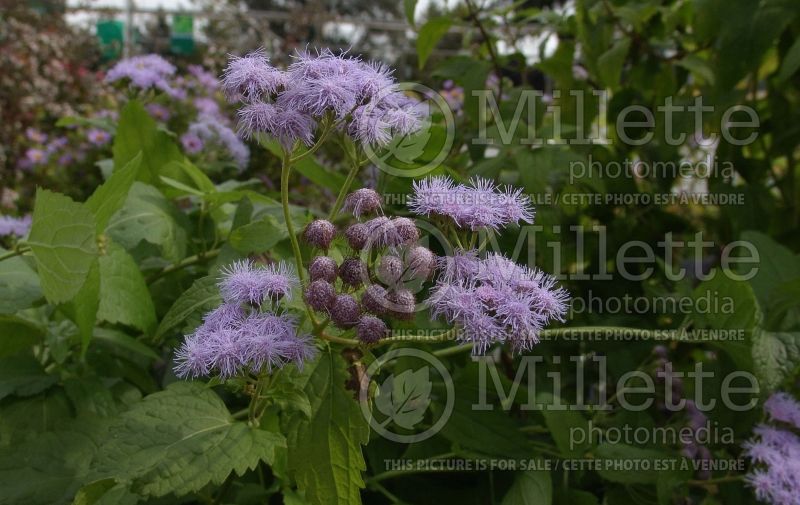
(390, 269)
(362, 201)
(406, 230)
(421, 262)
(322, 267)
(320, 295)
(345, 312)
(402, 304)
(320, 233)
(357, 236)
(370, 329)
(353, 272)
(375, 299)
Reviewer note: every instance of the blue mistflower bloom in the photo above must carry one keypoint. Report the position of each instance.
(245, 334)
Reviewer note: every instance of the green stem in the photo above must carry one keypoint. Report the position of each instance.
(191, 260)
(19, 250)
(286, 167)
(345, 189)
(321, 140)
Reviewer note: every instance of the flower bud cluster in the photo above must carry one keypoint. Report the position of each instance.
(348, 291)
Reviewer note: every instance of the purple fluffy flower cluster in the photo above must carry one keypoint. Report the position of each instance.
(362, 97)
(18, 226)
(776, 452)
(244, 334)
(145, 72)
(495, 300)
(481, 204)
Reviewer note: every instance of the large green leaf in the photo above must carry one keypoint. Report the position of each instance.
(429, 35)
(63, 241)
(19, 285)
(17, 334)
(258, 236)
(532, 487)
(777, 264)
(490, 432)
(180, 440)
(616, 460)
(562, 423)
(23, 376)
(611, 62)
(124, 297)
(775, 357)
(202, 296)
(49, 468)
(110, 196)
(83, 308)
(325, 449)
(742, 314)
(148, 216)
(138, 132)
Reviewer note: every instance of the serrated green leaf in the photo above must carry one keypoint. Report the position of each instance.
(179, 440)
(148, 216)
(533, 487)
(110, 196)
(776, 355)
(325, 450)
(63, 241)
(200, 297)
(429, 35)
(19, 285)
(124, 297)
(48, 469)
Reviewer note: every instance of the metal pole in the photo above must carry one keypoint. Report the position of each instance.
(127, 47)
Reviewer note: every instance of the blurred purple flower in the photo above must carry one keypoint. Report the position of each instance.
(211, 130)
(98, 137)
(145, 72)
(18, 226)
(158, 112)
(191, 143)
(35, 156)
